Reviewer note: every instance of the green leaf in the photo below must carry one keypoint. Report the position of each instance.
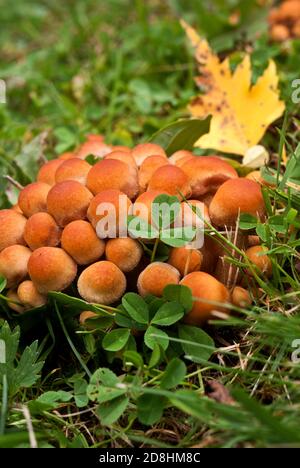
(181, 135)
(92, 159)
(116, 339)
(155, 356)
(162, 338)
(154, 305)
(261, 231)
(22, 372)
(54, 398)
(179, 293)
(80, 393)
(197, 344)
(112, 410)
(247, 221)
(169, 313)
(133, 358)
(66, 139)
(178, 237)
(29, 156)
(89, 343)
(150, 408)
(75, 304)
(278, 223)
(103, 386)
(2, 283)
(174, 374)
(136, 307)
(124, 321)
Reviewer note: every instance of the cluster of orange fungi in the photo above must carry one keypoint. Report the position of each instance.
(48, 241)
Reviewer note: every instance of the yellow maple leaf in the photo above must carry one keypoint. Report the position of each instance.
(241, 113)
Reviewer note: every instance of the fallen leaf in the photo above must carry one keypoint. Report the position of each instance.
(241, 113)
(219, 393)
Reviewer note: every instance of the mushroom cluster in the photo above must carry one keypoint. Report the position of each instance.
(50, 239)
(285, 21)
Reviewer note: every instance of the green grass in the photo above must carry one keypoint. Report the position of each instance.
(123, 68)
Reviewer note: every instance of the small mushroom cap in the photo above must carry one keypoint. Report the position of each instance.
(171, 179)
(94, 137)
(13, 264)
(156, 277)
(41, 230)
(143, 150)
(185, 260)
(262, 261)
(205, 288)
(80, 240)
(118, 200)
(280, 33)
(33, 198)
(253, 240)
(257, 177)
(289, 10)
(207, 173)
(14, 300)
(94, 147)
(234, 197)
(73, 169)
(51, 269)
(113, 174)
(123, 156)
(125, 252)
(29, 295)
(240, 297)
(181, 157)
(102, 283)
(67, 155)
(122, 148)
(12, 225)
(85, 315)
(147, 169)
(48, 170)
(68, 201)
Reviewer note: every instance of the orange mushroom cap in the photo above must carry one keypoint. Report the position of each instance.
(102, 283)
(234, 197)
(80, 240)
(68, 201)
(113, 174)
(143, 150)
(156, 277)
(207, 173)
(170, 179)
(12, 225)
(51, 269)
(41, 230)
(73, 169)
(33, 198)
(48, 170)
(205, 289)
